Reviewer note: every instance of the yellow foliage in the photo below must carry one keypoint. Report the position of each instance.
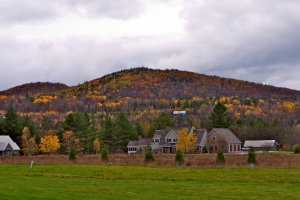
(49, 144)
(224, 99)
(236, 102)
(261, 101)
(288, 106)
(186, 141)
(182, 140)
(96, 145)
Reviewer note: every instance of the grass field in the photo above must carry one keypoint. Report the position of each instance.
(120, 182)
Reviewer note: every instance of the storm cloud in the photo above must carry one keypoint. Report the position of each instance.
(72, 41)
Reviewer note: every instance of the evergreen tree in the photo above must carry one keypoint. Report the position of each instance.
(179, 158)
(149, 154)
(297, 149)
(219, 118)
(12, 125)
(160, 123)
(123, 131)
(220, 157)
(2, 127)
(104, 154)
(139, 130)
(72, 154)
(107, 132)
(251, 156)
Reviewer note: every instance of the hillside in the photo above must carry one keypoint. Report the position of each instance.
(157, 84)
(34, 88)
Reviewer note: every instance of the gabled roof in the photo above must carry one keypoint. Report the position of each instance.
(133, 143)
(4, 146)
(141, 142)
(260, 143)
(200, 133)
(7, 139)
(229, 136)
(160, 134)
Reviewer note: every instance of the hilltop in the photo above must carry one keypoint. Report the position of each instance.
(156, 84)
(34, 88)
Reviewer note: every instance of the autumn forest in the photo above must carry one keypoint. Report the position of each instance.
(110, 111)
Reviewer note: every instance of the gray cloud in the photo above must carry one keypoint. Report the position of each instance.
(20, 11)
(252, 40)
(29, 11)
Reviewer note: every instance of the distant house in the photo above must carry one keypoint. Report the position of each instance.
(224, 138)
(164, 141)
(261, 145)
(7, 146)
(181, 113)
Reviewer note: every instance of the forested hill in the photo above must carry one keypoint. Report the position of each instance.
(34, 88)
(157, 84)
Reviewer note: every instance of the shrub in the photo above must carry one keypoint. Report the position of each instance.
(251, 156)
(297, 149)
(104, 154)
(72, 154)
(149, 154)
(179, 158)
(220, 157)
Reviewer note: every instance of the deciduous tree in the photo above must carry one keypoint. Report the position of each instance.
(49, 144)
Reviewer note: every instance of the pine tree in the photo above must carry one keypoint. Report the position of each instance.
(123, 132)
(104, 154)
(251, 156)
(179, 158)
(149, 154)
(72, 154)
(220, 157)
(12, 125)
(219, 118)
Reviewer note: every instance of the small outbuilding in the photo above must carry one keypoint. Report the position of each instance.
(261, 145)
(7, 146)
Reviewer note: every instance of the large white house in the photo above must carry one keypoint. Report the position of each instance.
(164, 141)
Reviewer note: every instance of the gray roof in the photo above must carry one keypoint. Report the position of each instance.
(199, 133)
(4, 146)
(141, 142)
(229, 136)
(7, 139)
(161, 134)
(260, 143)
(133, 143)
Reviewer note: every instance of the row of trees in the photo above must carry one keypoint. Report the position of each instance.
(79, 132)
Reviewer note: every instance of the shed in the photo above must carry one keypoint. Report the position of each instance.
(261, 145)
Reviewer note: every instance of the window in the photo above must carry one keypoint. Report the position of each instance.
(169, 140)
(174, 140)
(156, 140)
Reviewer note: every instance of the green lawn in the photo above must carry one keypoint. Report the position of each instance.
(119, 182)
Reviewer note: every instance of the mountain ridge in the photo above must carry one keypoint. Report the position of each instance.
(156, 83)
(172, 83)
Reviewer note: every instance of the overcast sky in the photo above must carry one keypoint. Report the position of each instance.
(71, 41)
